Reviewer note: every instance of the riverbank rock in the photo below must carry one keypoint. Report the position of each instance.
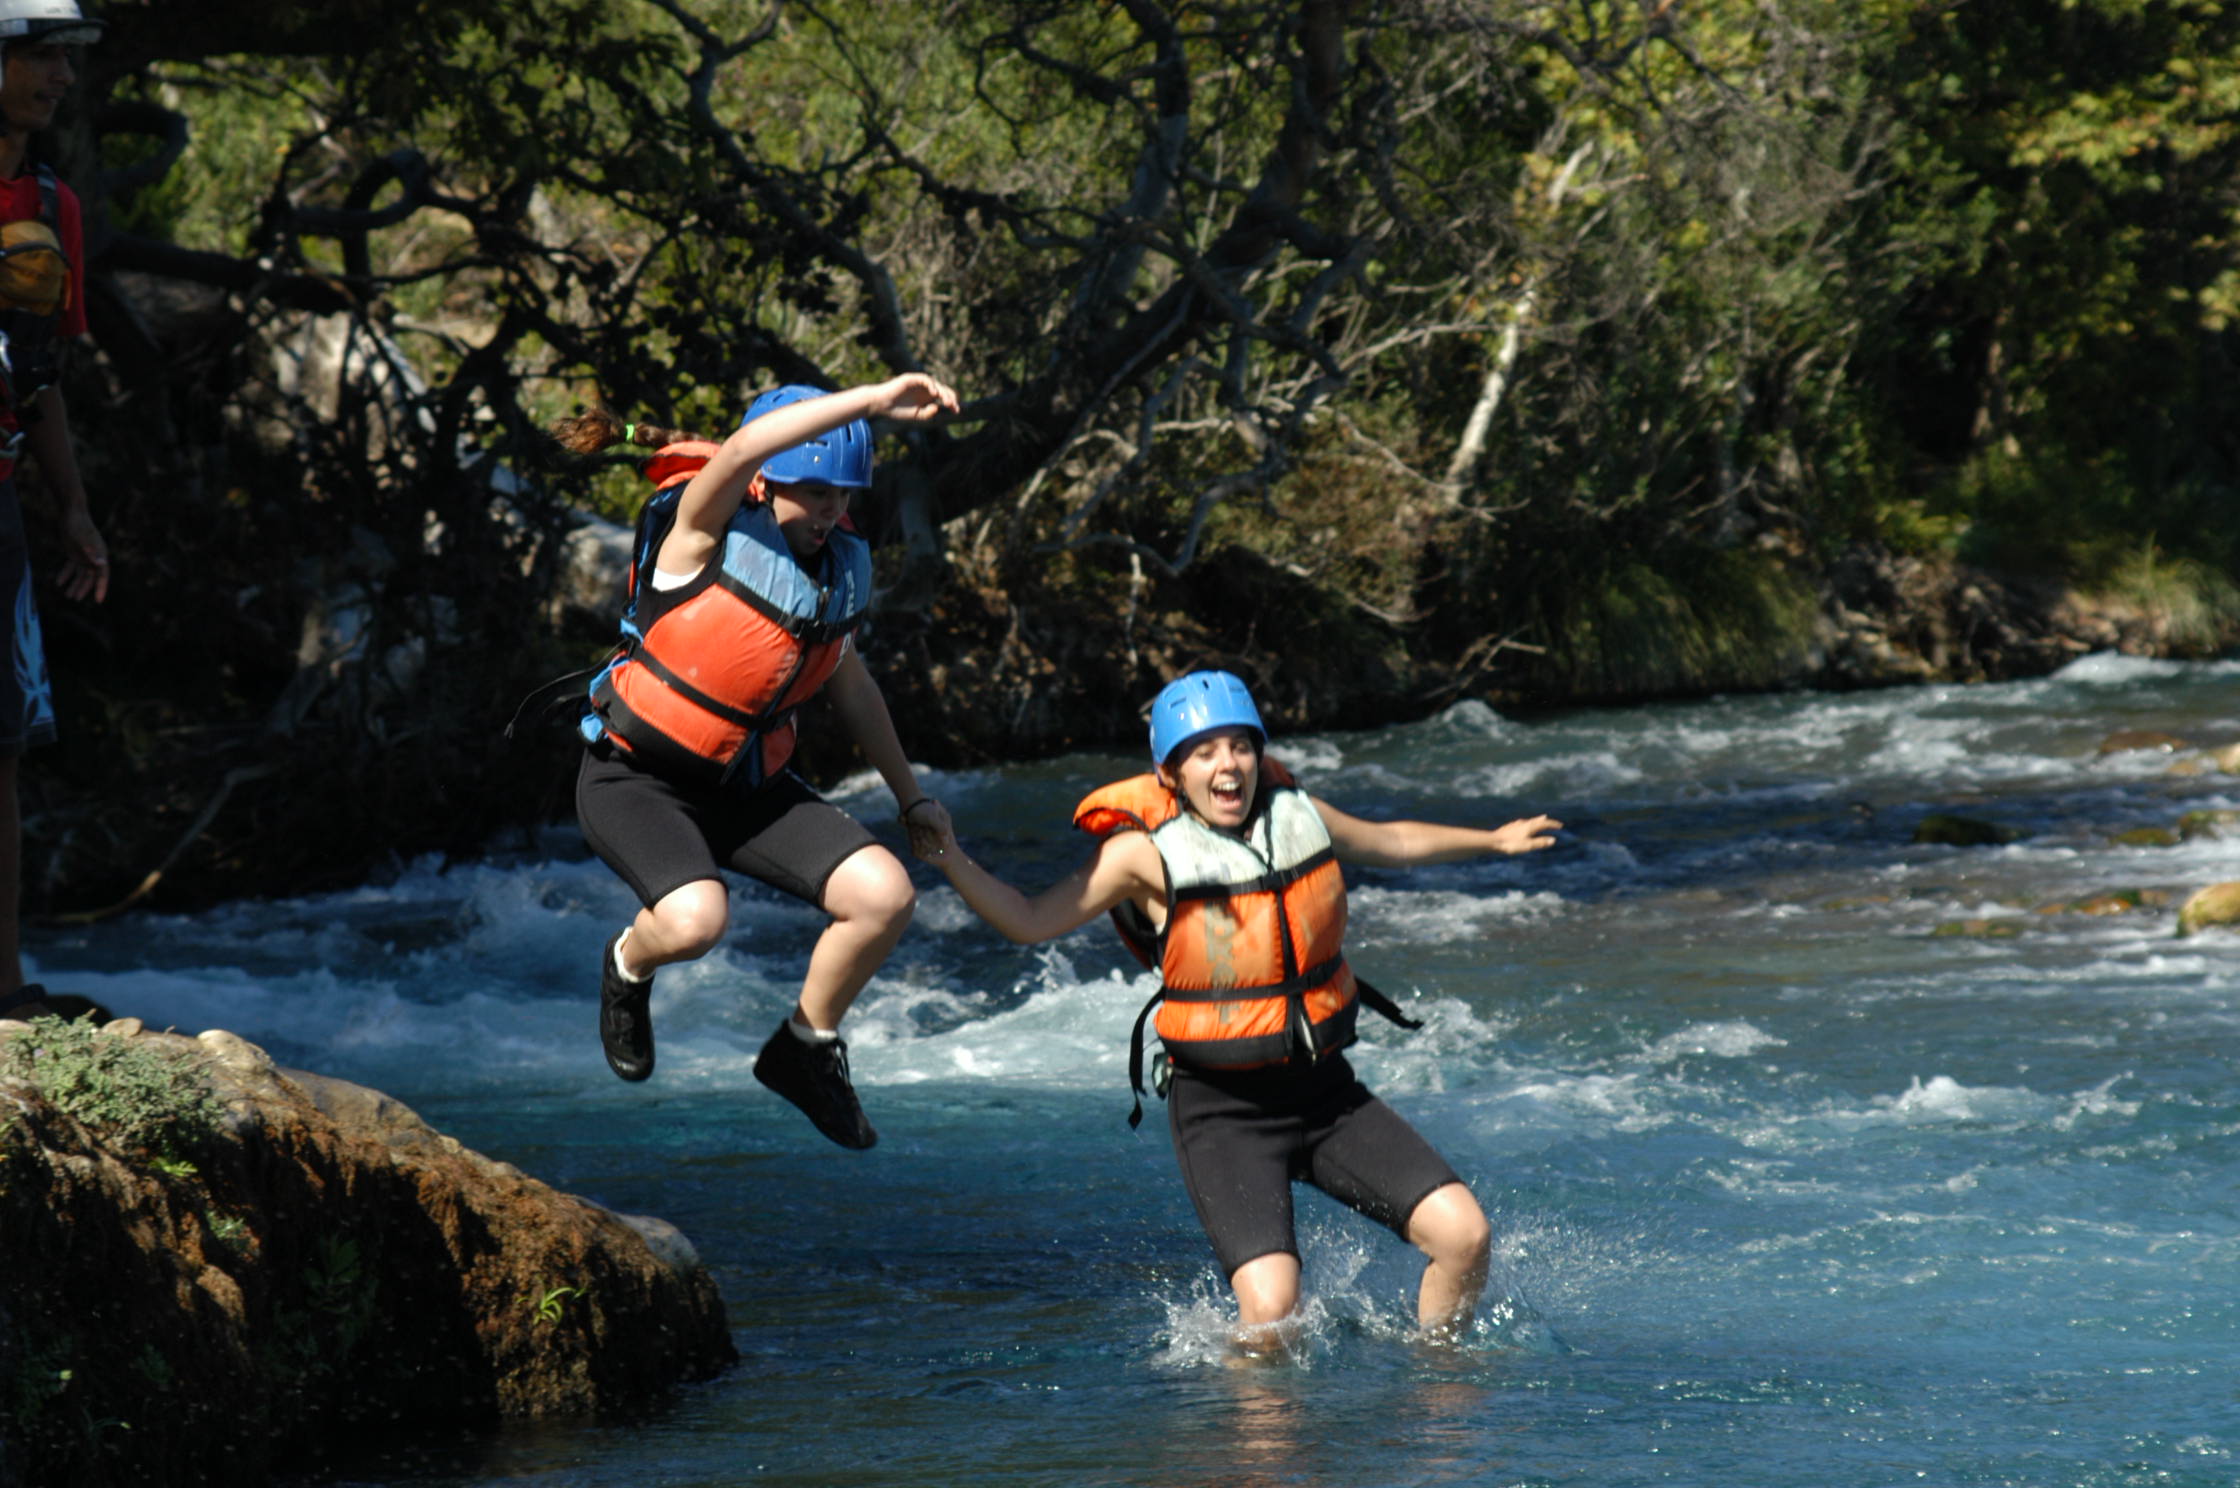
(318, 1263)
(2209, 908)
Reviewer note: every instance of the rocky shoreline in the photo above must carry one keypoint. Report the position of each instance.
(316, 1262)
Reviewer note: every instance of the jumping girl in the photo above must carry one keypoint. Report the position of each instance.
(746, 588)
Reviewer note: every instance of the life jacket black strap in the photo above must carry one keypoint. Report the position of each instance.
(760, 723)
(1135, 1060)
(1313, 976)
(1377, 1002)
(650, 749)
(544, 703)
(1275, 881)
(809, 631)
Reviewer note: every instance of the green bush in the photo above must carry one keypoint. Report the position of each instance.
(137, 1095)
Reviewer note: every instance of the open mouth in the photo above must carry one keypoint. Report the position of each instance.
(1227, 792)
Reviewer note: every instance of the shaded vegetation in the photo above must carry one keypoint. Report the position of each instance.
(1390, 352)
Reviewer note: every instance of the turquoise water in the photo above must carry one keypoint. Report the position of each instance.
(1788, 1188)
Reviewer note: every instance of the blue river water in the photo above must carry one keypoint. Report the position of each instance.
(1814, 1156)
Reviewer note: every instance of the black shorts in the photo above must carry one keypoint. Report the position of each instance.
(1243, 1139)
(660, 837)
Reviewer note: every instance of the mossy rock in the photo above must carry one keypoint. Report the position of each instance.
(1946, 830)
(1978, 929)
(2127, 741)
(2208, 823)
(2147, 837)
(2116, 901)
(2215, 906)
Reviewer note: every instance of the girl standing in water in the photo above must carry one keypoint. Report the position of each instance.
(746, 587)
(1224, 874)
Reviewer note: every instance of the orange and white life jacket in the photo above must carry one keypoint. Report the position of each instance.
(1251, 967)
(704, 686)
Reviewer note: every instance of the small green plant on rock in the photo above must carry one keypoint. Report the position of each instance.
(139, 1096)
(553, 1303)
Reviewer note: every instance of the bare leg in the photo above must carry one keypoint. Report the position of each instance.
(685, 925)
(870, 899)
(1267, 1289)
(1450, 1229)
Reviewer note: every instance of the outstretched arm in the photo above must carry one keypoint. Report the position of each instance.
(712, 497)
(1408, 844)
(1126, 867)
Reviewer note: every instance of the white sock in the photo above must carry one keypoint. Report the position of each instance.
(622, 967)
(808, 1035)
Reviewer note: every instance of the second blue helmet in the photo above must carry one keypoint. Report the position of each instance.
(1198, 703)
(839, 458)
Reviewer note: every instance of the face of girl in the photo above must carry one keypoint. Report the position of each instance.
(33, 78)
(807, 511)
(1218, 777)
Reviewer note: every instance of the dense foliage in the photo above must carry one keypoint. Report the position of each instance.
(1393, 351)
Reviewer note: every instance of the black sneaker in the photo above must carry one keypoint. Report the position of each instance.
(815, 1078)
(625, 1022)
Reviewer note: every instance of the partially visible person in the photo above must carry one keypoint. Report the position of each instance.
(746, 589)
(42, 303)
(1225, 875)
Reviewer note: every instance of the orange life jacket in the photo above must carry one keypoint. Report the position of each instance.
(704, 686)
(1250, 962)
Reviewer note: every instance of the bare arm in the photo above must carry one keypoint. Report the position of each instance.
(85, 565)
(712, 497)
(1126, 866)
(863, 713)
(1408, 844)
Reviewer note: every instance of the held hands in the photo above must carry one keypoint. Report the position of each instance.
(933, 837)
(927, 822)
(913, 398)
(1526, 834)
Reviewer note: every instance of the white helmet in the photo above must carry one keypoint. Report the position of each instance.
(48, 21)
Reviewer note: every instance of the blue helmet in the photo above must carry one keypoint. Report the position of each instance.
(1198, 703)
(840, 458)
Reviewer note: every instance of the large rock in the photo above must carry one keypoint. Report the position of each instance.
(326, 1263)
(2216, 905)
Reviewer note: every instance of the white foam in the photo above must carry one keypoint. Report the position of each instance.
(1724, 1040)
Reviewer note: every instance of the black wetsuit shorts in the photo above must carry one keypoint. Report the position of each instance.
(659, 836)
(1244, 1138)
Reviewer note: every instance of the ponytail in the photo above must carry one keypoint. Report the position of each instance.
(597, 428)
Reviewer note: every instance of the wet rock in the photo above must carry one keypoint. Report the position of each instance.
(1946, 830)
(2208, 823)
(2228, 759)
(2209, 908)
(1979, 929)
(2146, 837)
(2116, 901)
(2125, 741)
(323, 1263)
